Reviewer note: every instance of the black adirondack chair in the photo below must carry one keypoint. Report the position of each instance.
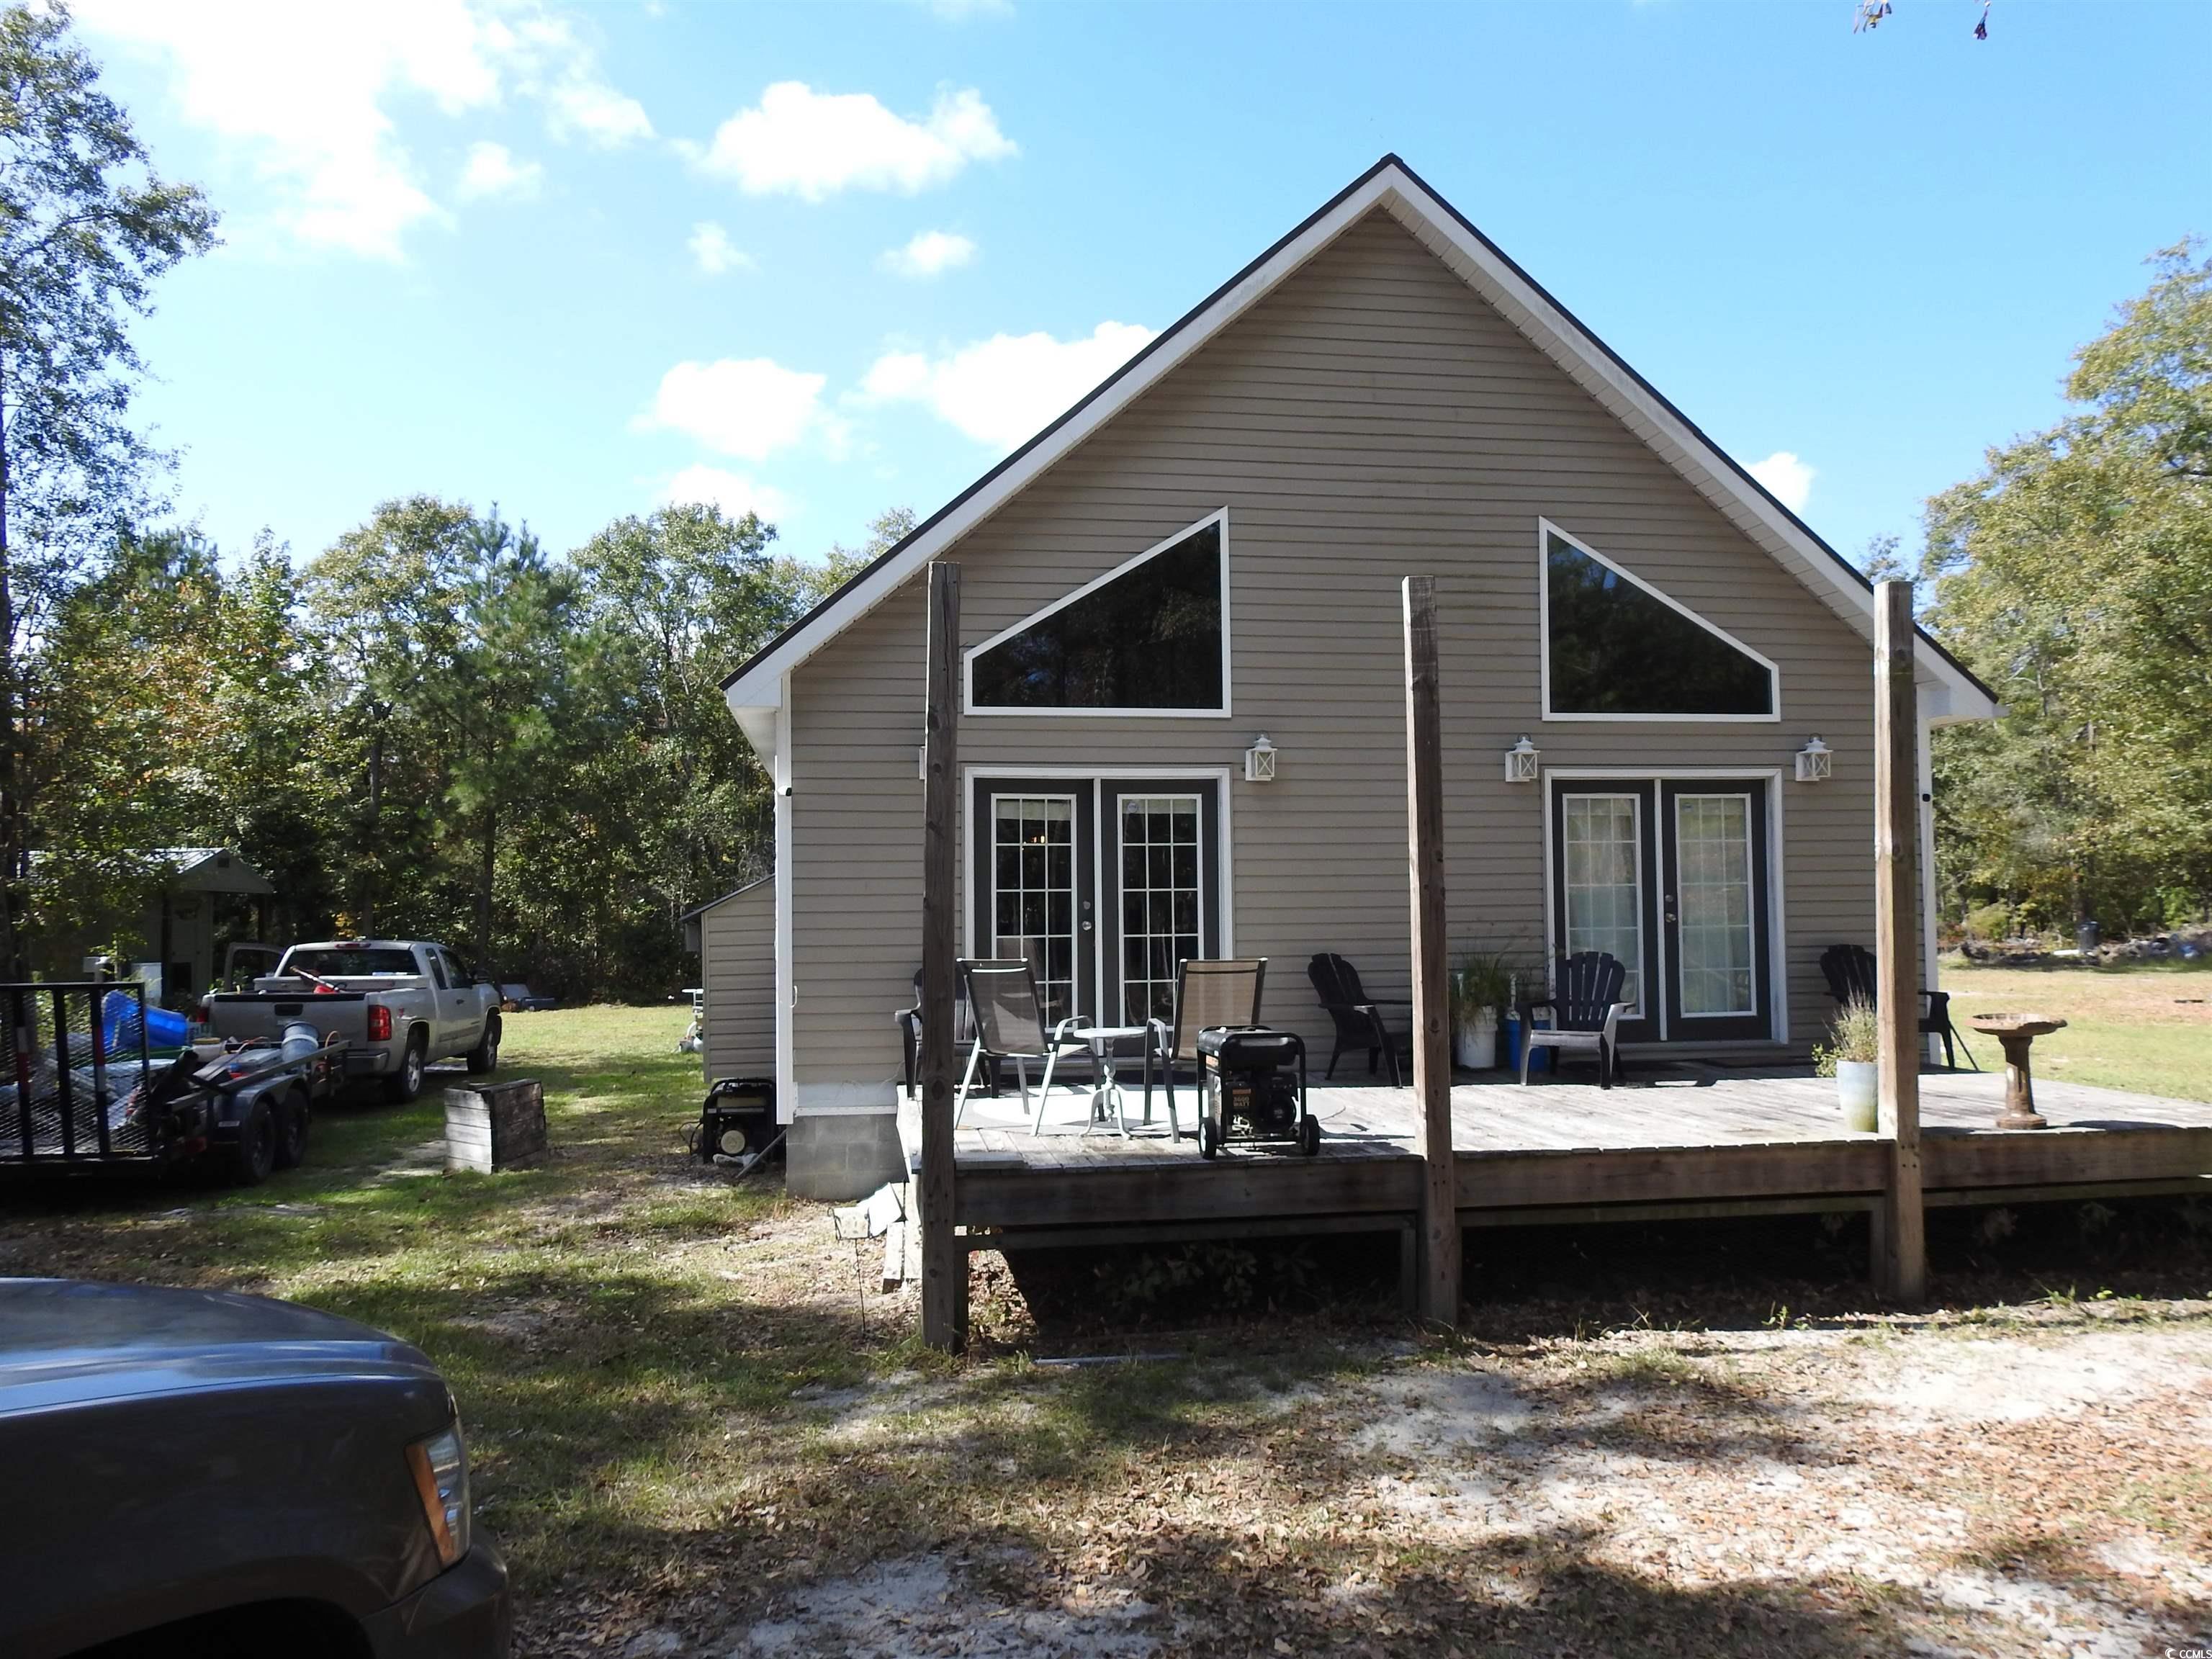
(1358, 1017)
(1585, 1009)
(1849, 971)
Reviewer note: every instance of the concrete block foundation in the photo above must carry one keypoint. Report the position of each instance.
(842, 1156)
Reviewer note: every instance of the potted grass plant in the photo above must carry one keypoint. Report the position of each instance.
(1854, 1045)
(1482, 985)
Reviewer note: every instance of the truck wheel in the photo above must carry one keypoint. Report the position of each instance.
(403, 1085)
(292, 1132)
(255, 1154)
(484, 1057)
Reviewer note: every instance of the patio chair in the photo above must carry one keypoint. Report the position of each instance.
(1207, 994)
(1358, 1017)
(1585, 1009)
(1009, 1018)
(1849, 971)
(908, 1020)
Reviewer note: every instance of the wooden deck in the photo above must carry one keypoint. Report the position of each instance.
(1683, 1140)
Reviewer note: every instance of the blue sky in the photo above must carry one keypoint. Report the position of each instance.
(831, 259)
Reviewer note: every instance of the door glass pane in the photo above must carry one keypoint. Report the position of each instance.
(1161, 861)
(1712, 855)
(1033, 844)
(1604, 884)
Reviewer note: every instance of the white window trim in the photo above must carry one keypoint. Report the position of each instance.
(1074, 799)
(1096, 775)
(969, 705)
(1751, 879)
(1635, 1010)
(1546, 530)
(1777, 930)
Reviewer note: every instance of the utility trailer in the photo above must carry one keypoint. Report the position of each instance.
(82, 1092)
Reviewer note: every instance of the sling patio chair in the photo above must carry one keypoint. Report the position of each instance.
(1585, 1009)
(908, 1020)
(1358, 1017)
(1009, 1019)
(1849, 971)
(1207, 994)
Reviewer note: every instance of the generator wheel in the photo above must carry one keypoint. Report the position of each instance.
(1209, 1138)
(1309, 1134)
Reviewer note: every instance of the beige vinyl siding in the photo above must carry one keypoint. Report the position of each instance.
(1372, 418)
(737, 955)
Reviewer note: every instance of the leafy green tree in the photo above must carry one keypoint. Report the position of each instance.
(509, 693)
(2075, 576)
(86, 230)
(382, 606)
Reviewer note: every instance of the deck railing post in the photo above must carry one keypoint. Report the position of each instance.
(1425, 816)
(943, 1260)
(1901, 1238)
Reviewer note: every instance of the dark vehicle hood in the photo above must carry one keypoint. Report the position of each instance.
(66, 1342)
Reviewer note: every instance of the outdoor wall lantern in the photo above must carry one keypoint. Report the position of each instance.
(1521, 762)
(1259, 762)
(1812, 762)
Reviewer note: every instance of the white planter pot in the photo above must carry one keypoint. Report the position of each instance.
(1476, 1047)
(1858, 1087)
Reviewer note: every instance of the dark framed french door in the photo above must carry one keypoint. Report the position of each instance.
(1716, 906)
(1104, 885)
(1605, 886)
(1672, 876)
(1035, 884)
(1162, 903)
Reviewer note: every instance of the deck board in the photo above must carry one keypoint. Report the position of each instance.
(1681, 1134)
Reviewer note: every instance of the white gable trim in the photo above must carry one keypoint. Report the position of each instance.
(1948, 692)
(1544, 531)
(1221, 712)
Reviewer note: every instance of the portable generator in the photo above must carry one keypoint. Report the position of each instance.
(737, 1123)
(1255, 1089)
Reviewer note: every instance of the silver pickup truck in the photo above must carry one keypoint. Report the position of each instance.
(398, 1004)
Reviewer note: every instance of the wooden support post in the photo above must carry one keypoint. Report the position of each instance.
(1425, 817)
(943, 1263)
(1900, 1237)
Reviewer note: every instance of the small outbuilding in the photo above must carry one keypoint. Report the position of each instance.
(735, 937)
(202, 897)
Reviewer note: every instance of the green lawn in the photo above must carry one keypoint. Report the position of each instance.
(2146, 1027)
(652, 1362)
(685, 1400)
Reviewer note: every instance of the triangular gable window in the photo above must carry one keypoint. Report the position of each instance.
(1148, 637)
(1616, 648)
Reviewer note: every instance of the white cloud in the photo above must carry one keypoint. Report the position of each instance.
(555, 65)
(492, 170)
(928, 254)
(1002, 390)
(1786, 478)
(714, 252)
(306, 95)
(801, 143)
(746, 407)
(712, 486)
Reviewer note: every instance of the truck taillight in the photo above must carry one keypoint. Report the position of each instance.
(380, 1023)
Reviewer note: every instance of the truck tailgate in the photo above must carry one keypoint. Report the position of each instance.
(266, 1013)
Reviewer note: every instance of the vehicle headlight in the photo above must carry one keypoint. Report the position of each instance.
(440, 1467)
